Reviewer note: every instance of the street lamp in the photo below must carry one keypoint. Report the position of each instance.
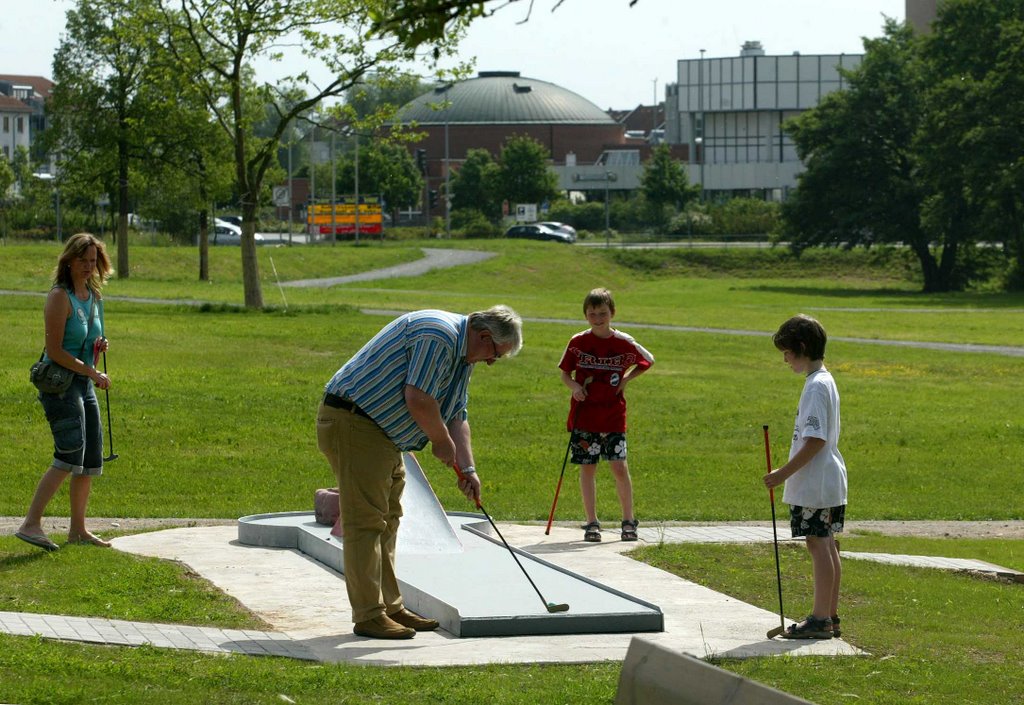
(699, 141)
(700, 138)
(607, 177)
(447, 164)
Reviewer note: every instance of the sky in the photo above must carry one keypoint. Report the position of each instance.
(612, 54)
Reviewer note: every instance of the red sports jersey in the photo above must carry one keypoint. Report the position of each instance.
(604, 361)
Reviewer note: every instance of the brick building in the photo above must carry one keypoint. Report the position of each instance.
(483, 112)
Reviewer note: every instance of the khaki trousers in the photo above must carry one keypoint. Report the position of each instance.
(371, 478)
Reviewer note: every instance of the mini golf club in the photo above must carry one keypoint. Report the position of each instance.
(558, 487)
(551, 606)
(775, 536)
(110, 431)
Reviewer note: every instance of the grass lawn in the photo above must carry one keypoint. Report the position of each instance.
(212, 417)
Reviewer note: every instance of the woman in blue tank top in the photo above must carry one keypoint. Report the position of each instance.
(74, 335)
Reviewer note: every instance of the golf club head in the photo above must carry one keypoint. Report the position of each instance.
(775, 632)
(112, 456)
(552, 608)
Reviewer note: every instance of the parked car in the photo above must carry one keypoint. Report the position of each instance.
(560, 227)
(537, 231)
(225, 233)
(233, 219)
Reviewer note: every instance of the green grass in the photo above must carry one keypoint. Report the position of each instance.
(34, 671)
(933, 636)
(213, 411)
(80, 581)
(202, 400)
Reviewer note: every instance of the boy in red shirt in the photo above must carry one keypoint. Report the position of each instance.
(596, 366)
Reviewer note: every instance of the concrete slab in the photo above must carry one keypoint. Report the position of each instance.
(478, 590)
(306, 600)
(654, 675)
(436, 552)
(969, 565)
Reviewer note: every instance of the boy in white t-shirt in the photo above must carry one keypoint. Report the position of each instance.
(815, 475)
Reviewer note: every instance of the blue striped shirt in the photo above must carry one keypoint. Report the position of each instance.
(426, 349)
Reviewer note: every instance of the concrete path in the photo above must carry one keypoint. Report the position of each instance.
(434, 258)
(305, 603)
(116, 632)
(968, 565)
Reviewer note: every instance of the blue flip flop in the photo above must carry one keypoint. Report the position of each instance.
(38, 541)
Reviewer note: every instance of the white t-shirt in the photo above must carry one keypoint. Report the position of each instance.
(822, 482)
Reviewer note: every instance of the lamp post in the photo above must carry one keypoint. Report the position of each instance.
(699, 141)
(654, 111)
(447, 165)
(291, 147)
(609, 176)
(700, 106)
(334, 191)
(356, 174)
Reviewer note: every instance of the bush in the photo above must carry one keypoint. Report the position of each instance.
(471, 223)
(582, 216)
(738, 216)
(745, 216)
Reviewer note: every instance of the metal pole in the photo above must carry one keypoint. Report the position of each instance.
(291, 145)
(607, 221)
(447, 170)
(700, 142)
(357, 186)
(311, 209)
(334, 194)
(654, 111)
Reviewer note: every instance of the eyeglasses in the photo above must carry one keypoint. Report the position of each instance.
(497, 355)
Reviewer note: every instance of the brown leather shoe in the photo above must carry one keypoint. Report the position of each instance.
(383, 627)
(414, 621)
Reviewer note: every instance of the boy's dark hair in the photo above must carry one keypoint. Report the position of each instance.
(599, 297)
(802, 335)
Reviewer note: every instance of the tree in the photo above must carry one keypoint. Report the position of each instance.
(860, 186)
(664, 185)
(523, 173)
(383, 93)
(98, 108)
(226, 36)
(972, 144)
(385, 169)
(6, 181)
(476, 184)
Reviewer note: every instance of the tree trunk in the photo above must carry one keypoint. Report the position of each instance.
(929, 267)
(123, 270)
(948, 262)
(250, 263)
(204, 245)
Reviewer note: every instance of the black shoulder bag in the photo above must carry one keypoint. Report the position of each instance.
(51, 378)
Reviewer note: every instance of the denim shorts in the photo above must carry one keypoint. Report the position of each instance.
(811, 521)
(588, 448)
(74, 419)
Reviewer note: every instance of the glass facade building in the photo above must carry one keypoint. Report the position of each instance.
(730, 111)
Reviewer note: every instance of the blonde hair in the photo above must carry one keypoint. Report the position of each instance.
(76, 247)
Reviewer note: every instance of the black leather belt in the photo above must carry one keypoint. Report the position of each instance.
(336, 402)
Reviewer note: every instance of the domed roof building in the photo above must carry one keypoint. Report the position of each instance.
(483, 112)
(504, 97)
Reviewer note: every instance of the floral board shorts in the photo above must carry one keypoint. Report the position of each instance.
(588, 448)
(811, 521)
